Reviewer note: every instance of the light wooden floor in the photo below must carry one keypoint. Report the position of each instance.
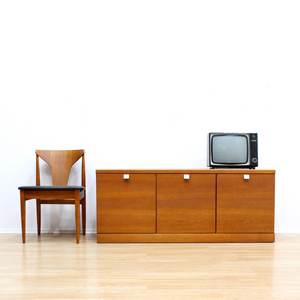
(53, 266)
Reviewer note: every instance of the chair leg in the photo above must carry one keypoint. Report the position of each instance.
(83, 213)
(23, 215)
(77, 214)
(38, 215)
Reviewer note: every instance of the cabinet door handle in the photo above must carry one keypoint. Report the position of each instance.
(246, 176)
(126, 176)
(186, 176)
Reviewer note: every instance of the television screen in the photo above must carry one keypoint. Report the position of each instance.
(230, 149)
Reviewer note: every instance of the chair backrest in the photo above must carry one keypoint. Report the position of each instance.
(60, 162)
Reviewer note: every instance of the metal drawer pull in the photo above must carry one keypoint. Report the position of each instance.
(246, 176)
(186, 176)
(126, 176)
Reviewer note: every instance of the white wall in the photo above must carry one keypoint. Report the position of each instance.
(139, 84)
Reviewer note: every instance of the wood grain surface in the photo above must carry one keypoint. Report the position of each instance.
(245, 205)
(126, 205)
(186, 205)
(52, 266)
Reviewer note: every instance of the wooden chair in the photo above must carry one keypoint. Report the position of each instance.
(60, 193)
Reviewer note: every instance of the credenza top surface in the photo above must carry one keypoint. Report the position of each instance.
(183, 171)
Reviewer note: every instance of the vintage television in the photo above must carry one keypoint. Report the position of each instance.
(232, 150)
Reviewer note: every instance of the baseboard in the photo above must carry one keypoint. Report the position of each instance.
(45, 231)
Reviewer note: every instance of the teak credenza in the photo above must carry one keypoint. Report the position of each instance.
(210, 205)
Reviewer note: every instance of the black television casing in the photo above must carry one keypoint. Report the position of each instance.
(252, 151)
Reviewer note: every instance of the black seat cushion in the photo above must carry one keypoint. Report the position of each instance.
(52, 188)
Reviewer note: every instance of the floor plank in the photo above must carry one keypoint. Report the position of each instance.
(53, 266)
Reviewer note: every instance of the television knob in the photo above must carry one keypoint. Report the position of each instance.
(254, 160)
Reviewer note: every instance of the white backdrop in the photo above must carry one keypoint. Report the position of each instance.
(139, 84)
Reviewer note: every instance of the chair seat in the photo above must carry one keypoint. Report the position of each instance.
(52, 188)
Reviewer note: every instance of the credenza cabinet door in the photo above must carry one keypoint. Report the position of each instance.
(126, 205)
(245, 204)
(186, 205)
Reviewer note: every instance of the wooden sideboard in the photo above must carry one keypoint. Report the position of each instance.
(209, 205)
